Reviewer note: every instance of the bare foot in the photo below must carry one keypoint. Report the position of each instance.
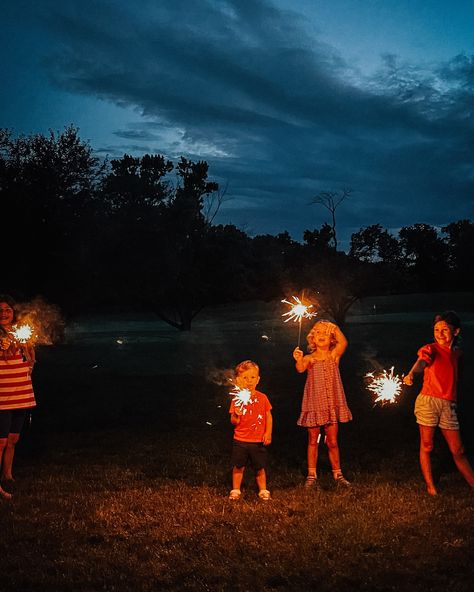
(4, 494)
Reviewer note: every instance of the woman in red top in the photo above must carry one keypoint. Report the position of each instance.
(16, 389)
(436, 403)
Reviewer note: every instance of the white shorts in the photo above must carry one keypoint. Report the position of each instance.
(433, 411)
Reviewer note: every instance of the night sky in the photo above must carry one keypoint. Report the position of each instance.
(284, 99)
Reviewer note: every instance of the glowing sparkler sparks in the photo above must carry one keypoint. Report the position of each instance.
(387, 386)
(298, 310)
(241, 398)
(22, 333)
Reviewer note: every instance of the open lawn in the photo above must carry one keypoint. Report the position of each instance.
(123, 474)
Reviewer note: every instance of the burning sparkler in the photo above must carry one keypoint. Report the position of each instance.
(22, 333)
(241, 398)
(387, 386)
(297, 312)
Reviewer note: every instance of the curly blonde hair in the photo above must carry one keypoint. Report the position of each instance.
(333, 342)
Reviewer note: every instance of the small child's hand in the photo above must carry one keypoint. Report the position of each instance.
(408, 379)
(297, 354)
(267, 439)
(5, 343)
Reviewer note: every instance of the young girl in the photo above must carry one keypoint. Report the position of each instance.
(436, 403)
(16, 390)
(324, 402)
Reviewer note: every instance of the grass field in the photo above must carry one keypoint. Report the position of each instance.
(123, 474)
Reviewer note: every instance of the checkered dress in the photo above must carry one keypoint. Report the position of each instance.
(324, 400)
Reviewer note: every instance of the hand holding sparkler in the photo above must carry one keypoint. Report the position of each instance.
(5, 343)
(298, 354)
(299, 358)
(241, 397)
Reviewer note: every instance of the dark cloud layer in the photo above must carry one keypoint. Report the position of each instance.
(276, 112)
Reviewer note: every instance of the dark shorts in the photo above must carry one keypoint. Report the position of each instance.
(11, 421)
(242, 452)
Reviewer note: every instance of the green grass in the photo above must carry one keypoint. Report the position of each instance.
(123, 476)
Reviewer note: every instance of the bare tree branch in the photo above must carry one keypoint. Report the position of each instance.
(331, 200)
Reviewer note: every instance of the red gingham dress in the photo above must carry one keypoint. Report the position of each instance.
(324, 400)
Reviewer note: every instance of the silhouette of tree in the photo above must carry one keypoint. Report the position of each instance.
(425, 254)
(48, 184)
(460, 247)
(331, 200)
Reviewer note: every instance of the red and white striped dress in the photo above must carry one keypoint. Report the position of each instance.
(16, 388)
(324, 400)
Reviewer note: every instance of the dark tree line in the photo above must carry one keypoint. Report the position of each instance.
(139, 233)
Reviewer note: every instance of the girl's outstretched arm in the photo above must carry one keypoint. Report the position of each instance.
(418, 366)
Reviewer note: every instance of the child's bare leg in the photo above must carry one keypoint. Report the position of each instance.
(333, 448)
(312, 454)
(261, 479)
(8, 454)
(453, 438)
(237, 475)
(3, 444)
(426, 446)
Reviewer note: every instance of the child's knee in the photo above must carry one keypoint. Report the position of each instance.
(426, 446)
(3, 444)
(12, 440)
(331, 443)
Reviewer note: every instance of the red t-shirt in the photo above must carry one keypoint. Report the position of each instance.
(441, 373)
(253, 420)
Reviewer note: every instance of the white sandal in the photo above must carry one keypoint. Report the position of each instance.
(235, 494)
(264, 495)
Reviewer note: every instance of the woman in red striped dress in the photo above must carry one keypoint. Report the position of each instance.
(324, 402)
(16, 389)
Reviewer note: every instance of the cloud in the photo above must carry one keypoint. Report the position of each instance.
(276, 112)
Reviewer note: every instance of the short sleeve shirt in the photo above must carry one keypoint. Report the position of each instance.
(441, 373)
(253, 419)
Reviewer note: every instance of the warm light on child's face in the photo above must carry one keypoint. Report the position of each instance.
(6, 313)
(320, 335)
(444, 333)
(248, 379)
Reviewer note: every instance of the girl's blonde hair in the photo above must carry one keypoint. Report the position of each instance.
(333, 342)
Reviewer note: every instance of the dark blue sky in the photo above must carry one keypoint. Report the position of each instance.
(284, 99)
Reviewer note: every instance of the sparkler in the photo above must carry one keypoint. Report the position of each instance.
(387, 386)
(241, 398)
(22, 333)
(297, 312)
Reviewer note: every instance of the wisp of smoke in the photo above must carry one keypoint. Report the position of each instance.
(46, 320)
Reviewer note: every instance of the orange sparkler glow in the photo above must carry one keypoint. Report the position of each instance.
(241, 398)
(386, 385)
(22, 333)
(298, 310)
